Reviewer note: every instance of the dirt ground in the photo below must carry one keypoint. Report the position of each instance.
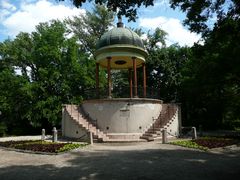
(134, 161)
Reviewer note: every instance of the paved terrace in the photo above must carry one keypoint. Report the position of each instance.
(134, 161)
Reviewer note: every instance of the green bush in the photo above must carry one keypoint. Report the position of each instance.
(3, 129)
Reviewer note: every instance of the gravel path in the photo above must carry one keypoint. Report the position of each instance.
(142, 161)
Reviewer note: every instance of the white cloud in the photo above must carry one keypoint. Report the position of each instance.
(6, 9)
(4, 13)
(176, 31)
(30, 13)
(6, 5)
(161, 3)
(143, 36)
(29, 1)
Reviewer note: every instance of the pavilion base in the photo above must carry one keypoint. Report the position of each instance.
(118, 119)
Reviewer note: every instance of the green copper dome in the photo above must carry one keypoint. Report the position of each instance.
(120, 35)
(121, 45)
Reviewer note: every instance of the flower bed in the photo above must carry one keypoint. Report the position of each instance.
(214, 142)
(41, 146)
(205, 143)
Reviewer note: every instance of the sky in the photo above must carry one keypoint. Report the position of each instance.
(24, 15)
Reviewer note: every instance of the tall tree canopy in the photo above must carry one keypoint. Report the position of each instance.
(89, 27)
(211, 78)
(200, 11)
(50, 75)
(45, 69)
(123, 7)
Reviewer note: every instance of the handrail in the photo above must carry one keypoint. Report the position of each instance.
(171, 134)
(165, 116)
(167, 113)
(87, 118)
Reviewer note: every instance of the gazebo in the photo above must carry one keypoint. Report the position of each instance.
(121, 119)
(121, 48)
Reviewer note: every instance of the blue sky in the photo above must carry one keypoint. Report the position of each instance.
(24, 15)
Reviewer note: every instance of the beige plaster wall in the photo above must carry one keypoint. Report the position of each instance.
(174, 126)
(123, 116)
(71, 129)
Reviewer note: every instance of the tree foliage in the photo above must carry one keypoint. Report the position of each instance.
(48, 64)
(164, 66)
(211, 79)
(45, 69)
(122, 7)
(89, 27)
(200, 11)
(210, 84)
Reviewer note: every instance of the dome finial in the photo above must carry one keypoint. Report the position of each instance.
(120, 23)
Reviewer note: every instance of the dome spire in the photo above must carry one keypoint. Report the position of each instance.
(120, 23)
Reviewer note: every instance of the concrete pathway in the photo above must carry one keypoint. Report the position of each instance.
(134, 161)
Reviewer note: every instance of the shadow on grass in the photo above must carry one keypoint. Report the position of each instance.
(147, 164)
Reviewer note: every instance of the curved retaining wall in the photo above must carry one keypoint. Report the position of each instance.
(123, 116)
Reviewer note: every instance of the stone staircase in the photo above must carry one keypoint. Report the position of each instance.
(164, 120)
(81, 119)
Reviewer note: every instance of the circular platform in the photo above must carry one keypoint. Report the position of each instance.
(123, 118)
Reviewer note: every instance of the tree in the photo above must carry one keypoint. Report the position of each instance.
(13, 98)
(210, 92)
(164, 67)
(46, 69)
(200, 11)
(89, 28)
(211, 82)
(127, 8)
(54, 72)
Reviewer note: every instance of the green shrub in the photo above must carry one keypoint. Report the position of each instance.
(3, 129)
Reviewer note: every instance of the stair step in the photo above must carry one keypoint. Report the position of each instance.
(165, 119)
(76, 115)
(147, 138)
(154, 132)
(150, 134)
(155, 129)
